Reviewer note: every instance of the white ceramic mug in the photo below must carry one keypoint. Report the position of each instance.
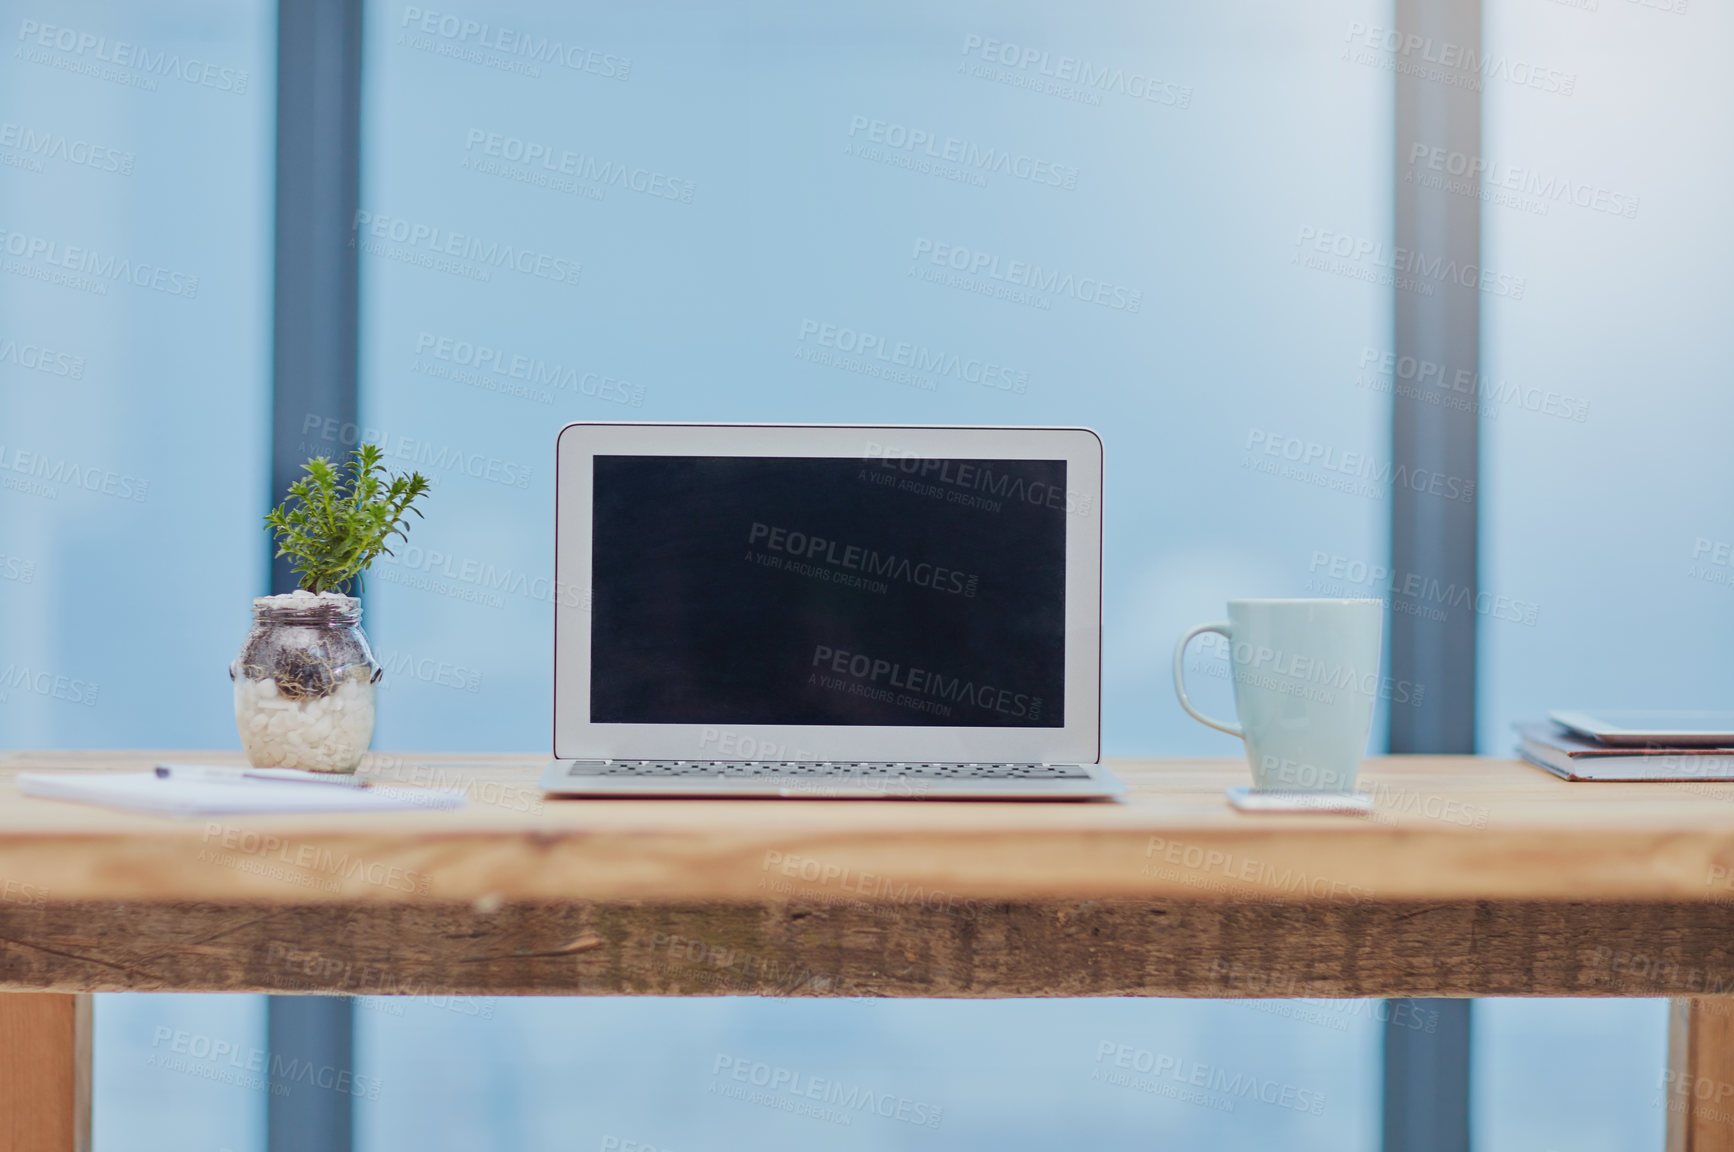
(1306, 676)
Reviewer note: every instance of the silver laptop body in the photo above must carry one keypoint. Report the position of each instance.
(836, 612)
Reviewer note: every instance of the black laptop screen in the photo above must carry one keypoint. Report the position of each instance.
(759, 590)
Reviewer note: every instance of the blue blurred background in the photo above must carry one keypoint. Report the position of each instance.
(702, 190)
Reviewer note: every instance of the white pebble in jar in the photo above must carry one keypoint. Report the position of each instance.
(317, 734)
(304, 684)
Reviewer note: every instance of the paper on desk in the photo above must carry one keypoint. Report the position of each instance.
(147, 792)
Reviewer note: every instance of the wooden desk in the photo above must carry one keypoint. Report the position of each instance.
(1473, 877)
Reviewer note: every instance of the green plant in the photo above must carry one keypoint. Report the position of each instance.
(334, 526)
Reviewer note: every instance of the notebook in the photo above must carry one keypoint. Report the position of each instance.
(146, 792)
(1575, 758)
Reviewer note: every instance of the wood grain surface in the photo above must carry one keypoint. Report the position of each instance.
(1698, 1086)
(1044, 948)
(1473, 877)
(1451, 829)
(44, 1073)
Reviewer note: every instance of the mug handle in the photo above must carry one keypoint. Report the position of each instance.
(1180, 676)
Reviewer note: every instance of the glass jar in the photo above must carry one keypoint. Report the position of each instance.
(304, 683)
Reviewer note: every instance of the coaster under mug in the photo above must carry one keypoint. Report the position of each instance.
(1262, 800)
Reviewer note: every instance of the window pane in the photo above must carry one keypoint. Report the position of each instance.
(135, 279)
(1578, 1074)
(1149, 219)
(514, 279)
(1605, 478)
(134, 367)
(748, 1073)
(176, 1071)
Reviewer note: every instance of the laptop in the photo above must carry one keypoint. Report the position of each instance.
(839, 612)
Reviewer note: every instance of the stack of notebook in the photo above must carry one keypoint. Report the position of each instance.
(1575, 750)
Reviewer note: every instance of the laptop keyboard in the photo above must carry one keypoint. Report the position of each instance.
(809, 769)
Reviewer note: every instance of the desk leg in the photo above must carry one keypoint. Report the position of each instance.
(44, 1072)
(1698, 1088)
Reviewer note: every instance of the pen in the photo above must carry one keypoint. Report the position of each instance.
(208, 775)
